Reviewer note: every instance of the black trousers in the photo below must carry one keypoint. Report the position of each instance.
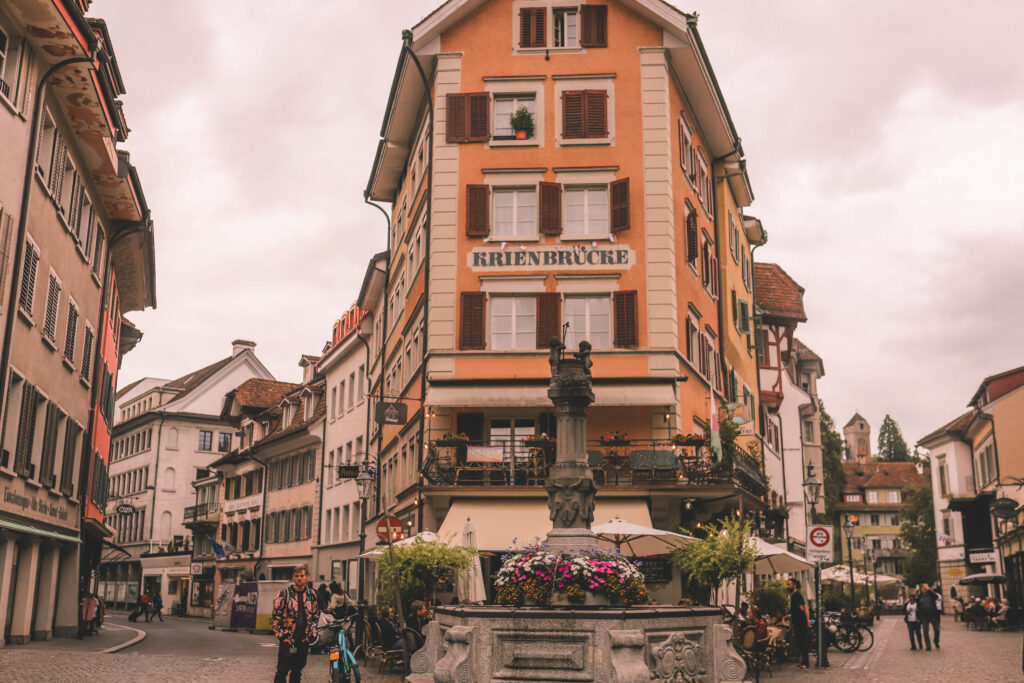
(802, 640)
(289, 666)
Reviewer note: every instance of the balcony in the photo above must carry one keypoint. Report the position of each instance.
(203, 513)
(662, 464)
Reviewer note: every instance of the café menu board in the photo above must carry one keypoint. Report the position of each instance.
(656, 569)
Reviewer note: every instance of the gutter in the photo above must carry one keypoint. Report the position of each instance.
(26, 192)
(407, 47)
(384, 345)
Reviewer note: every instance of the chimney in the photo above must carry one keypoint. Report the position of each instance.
(240, 345)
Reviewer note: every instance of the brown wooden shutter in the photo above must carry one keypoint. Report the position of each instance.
(548, 322)
(49, 454)
(596, 113)
(456, 125)
(479, 117)
(531, 27)
(477, 200)
(472, 332)
(26, 430)
(550, 209)
(619, 191)
(626, 335)
(691, 236)
(572, 114)
(595, 26)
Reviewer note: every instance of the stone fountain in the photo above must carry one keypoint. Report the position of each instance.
(575, 643)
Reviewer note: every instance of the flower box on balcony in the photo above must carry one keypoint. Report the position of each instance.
(450, 442)
(690, 440)
(615, 439)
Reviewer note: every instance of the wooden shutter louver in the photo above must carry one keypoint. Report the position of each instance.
(49, 458)
(596, 113)
(619, 191)
(87, 355)
(626, 334)
(67, 472)
(28, 278)
(71, 335)
(479, 117)
(572, 114)
(594, 31)
(548, 322)
(691, 236)
(26, 430)
(477, 214)
(472, 333)
(550, 214)
(456, 127)
(52, 302)
(531, 27)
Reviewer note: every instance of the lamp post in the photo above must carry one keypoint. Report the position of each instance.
(364, 484)
(812, 489)
(851, 521)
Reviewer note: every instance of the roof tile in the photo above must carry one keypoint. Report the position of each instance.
(777, 294)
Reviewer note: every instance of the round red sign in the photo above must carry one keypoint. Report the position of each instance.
(396, 529)
(820, 537)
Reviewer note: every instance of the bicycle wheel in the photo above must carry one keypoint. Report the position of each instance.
(846, 639)
(867, 638)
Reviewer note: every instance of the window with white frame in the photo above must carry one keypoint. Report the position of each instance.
(851, 498)
(360, 388)
(6, 88)
(590, 319)
(872, 496)
(893, 496)
(507, 105)
(586, 211)
(566, 27)
(513, 323)
(515, 213)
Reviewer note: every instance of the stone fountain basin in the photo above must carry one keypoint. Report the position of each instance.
(576, 643)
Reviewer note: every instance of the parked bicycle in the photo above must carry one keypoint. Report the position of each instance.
(340, 657)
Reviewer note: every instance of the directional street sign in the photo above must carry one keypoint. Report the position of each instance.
(819, 543)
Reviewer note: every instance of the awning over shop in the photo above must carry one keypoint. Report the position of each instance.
(36, 531)
(502, 524)
(537, 396)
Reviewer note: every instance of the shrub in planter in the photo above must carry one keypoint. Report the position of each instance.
(522, 123)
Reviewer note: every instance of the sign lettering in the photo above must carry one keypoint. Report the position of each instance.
(575, 257)
(819, 543)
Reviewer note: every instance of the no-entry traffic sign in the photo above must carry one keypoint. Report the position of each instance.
(819, 543)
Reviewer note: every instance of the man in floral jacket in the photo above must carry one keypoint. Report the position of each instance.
(296, 613)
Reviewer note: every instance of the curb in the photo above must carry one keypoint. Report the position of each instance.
(140, 635)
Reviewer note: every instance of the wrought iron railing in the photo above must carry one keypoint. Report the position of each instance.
(200, 513)
(645, 463)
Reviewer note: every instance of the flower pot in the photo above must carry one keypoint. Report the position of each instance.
(615, 442)
(520, 135)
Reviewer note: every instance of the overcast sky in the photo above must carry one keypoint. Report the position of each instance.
(884, 143)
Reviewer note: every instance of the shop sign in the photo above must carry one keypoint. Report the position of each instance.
(29, 504)
(242, 503)
(531, 257)
(195, 568)
(1003, 508)
(981, 556)
(656, 570)
(391, 413)
(125, 509)
(243, 605)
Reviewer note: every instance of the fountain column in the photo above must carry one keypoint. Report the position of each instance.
(570, 482)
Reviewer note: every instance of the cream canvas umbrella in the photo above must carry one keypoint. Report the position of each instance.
(841, 574)
(774, 560)
(639, 540)
(471, 582)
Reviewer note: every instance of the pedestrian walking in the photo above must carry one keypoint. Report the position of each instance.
(799, 621)
(158, 606)
(295, 616)
(912, 621)
(928, 613)
(144, 602)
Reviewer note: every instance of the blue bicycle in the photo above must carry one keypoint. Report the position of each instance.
(340, 658)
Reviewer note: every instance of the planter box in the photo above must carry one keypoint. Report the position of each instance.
(690, 442)
(451, 442)
(616, 442)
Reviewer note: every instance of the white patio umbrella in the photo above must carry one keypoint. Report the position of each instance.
(378, 550)
(471, 582)
(640, 541)
(841, 574)
(772, 559)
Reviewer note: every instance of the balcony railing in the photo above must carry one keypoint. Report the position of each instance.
(644, 463)
(204, 512)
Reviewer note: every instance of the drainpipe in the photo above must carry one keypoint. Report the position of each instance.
(26, 191)
(384, 342)
(263, 512)
(323, 459)
(407, 47)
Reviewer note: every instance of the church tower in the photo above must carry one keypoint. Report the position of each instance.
(857, 434)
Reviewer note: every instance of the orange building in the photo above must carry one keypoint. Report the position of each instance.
(561, 178)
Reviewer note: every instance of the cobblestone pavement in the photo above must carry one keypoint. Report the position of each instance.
(965, 656)
(30, 666)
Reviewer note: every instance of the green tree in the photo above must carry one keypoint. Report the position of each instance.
(917, 529)
(723, 554)
(418, 568)
(834, 476)
(891, 446)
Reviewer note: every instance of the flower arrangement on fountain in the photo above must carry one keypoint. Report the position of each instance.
(536, 574)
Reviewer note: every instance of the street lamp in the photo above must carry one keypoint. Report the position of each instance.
(851, 521)
(812, 490)
(365, 481)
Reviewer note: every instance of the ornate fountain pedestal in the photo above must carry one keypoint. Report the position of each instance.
(574, 643)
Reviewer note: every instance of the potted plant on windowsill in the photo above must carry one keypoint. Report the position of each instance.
(449, 439)
(522, 123)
